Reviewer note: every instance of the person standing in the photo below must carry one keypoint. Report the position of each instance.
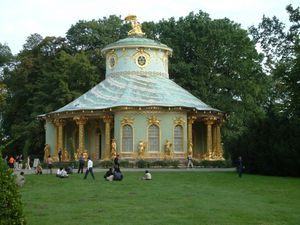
(20, 162)
(89, 169)
(11, 162)
(190, 161)
(49, 163)
(28, 163)
(81, 163)
(240, 166)
(117, 162)
(59, 154)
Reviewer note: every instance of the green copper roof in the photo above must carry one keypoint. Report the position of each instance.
(136, 41)
(135, 90)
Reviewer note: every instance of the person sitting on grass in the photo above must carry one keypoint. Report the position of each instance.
(62, 173)
(39, 169)
(118, 176)
(109, 175)
(147, 176)
(20, 179)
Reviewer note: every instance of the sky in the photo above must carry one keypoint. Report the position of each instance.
(21, 18)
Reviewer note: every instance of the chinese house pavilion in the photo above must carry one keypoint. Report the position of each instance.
(136, 112)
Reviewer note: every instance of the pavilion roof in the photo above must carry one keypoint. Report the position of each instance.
(135, 91)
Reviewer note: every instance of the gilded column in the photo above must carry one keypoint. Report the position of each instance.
(80, 121)
(59, 123)
(214, 139)
(191, 120)
(209, 121)
(107, 120)
(219, 149)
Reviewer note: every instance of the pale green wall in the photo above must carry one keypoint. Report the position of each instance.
(140, 127)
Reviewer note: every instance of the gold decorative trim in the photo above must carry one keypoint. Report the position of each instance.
(127, 120)
(141, 58)
(112, 59)
(179, 121)
(138, 73)
(152, 120)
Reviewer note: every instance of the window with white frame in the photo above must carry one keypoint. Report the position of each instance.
(153, 138)
(178, 138)
(127, 138)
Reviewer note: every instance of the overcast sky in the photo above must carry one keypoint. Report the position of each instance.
(20, 18)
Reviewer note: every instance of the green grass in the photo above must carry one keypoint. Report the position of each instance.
(193, 197)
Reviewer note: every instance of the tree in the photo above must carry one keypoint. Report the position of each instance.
(217, 62)
(281, 51)
(271, 145)
(46, 78)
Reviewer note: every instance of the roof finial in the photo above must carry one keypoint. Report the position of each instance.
(136, 26)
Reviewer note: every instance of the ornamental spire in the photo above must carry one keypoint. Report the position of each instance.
(136, 26)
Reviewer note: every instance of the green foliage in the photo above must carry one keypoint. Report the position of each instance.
(270, 147)
(10, 199)
(217, 62)
(126, 164)
(106, 163)
(142, 164)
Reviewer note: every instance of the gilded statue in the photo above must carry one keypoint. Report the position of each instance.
(136, 26)
(113, 148)
(65, 155)
(85, 155)
(168, 150)
(46, 152)
(141, 149)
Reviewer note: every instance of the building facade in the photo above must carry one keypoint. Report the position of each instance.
(136, 112)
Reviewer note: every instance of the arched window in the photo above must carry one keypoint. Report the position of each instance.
(178, 138)
(153, 138)
(127, 138)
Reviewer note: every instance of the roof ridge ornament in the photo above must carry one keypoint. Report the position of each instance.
(136, 26)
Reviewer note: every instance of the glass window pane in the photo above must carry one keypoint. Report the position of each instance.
(153, 138)
(178, 138)
(127, 142)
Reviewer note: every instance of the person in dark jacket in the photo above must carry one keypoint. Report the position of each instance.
(109, 175)
(81, 164)
(240, 166)
(118, 174)
(117, 162)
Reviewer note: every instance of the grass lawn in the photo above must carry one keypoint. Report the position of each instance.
(175, 197)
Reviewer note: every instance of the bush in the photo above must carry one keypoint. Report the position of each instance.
(106, 163)
(142, 164)
(127, 164)
(10, 199)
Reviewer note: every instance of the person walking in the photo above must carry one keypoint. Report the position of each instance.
(59, 155)
(240, 166)
(89, 169)
(81, 164)
(49, 163)
(190, 161)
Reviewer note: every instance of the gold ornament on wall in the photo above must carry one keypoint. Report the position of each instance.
(152, 120)
(127, 120)
(179, 121)
(141, 58)
(112, 59)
